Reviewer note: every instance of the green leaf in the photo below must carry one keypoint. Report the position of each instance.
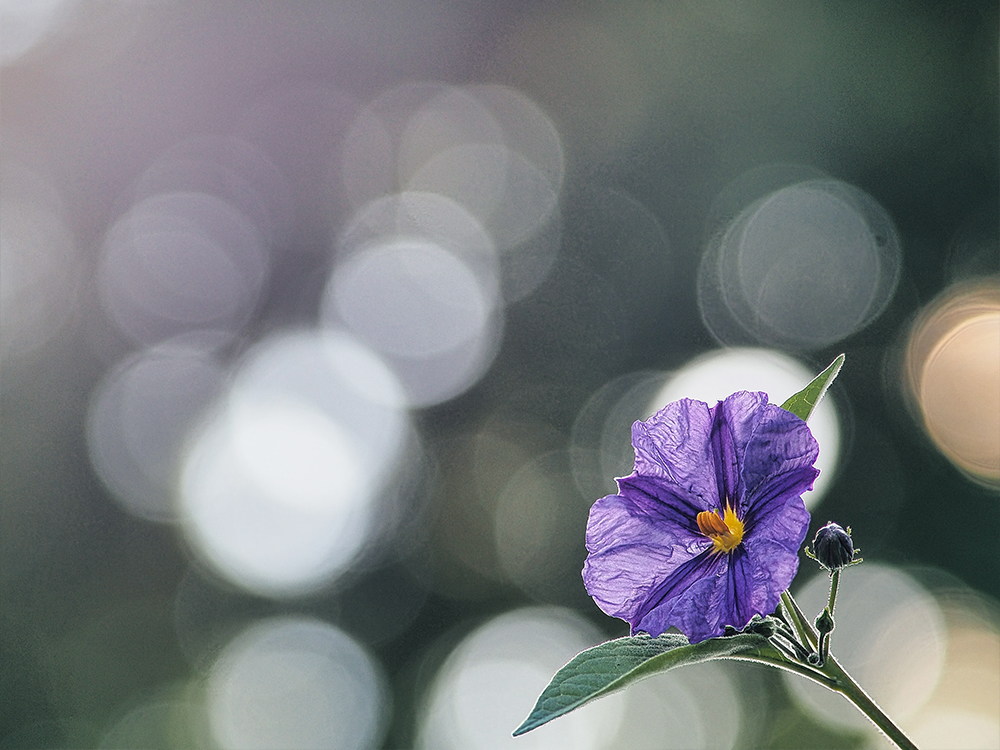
(615, 664)
(803, 402)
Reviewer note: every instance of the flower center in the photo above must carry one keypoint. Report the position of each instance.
(725, 532)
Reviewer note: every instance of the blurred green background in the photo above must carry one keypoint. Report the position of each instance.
(322, 325)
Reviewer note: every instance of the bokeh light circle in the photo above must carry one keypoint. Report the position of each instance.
(488, 148)
(490, 681)
(507, 193)
(475, 468)
(406, 126)
(296, 683)
(173, 717)
(39, 263)
(448, 119)
(963, 710)
(229, 168)
(540, 524)
(526, 129)
(801, 268)
(282, 488)
(427, 300)
(368, 166)
(697, 707)
(953, 376)
(182, 261)
(140, 416)
(416, 278)
(713, 376)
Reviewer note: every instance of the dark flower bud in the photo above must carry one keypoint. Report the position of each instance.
(824, 622)
(833, 547)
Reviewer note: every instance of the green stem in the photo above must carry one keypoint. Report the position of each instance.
(807, 634)
(797, 649)
(788, 665)
(824, 641)
(835, 676)
(834, 585)
(846, 686)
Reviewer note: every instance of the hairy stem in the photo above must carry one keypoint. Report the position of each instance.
(807, 635)
(834, 676)
(846, 686)
(834, 585)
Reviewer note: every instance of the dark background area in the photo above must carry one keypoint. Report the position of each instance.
(659, 109)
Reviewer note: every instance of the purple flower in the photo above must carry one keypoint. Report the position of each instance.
(706, 530)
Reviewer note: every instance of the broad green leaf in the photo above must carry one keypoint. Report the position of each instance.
(615, 664)
(803, 402)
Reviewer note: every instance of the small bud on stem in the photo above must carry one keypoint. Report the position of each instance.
(833, 548)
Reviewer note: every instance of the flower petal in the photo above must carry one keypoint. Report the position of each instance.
(734, 421)
(778, 469)
(780, 442)
(740, 585)
(733, 602)
(664, 501)
(630, 553)
(773, 566)
(674, 444)
(776, 508)
(678, 599)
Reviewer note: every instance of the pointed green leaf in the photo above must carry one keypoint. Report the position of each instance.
(803, 402)
(612, 665)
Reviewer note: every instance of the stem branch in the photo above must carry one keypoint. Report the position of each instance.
(846, 686)
(830, 673)
(789, 665)
(801, 624)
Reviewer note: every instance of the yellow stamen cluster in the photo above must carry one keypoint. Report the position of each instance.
(726, 532)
